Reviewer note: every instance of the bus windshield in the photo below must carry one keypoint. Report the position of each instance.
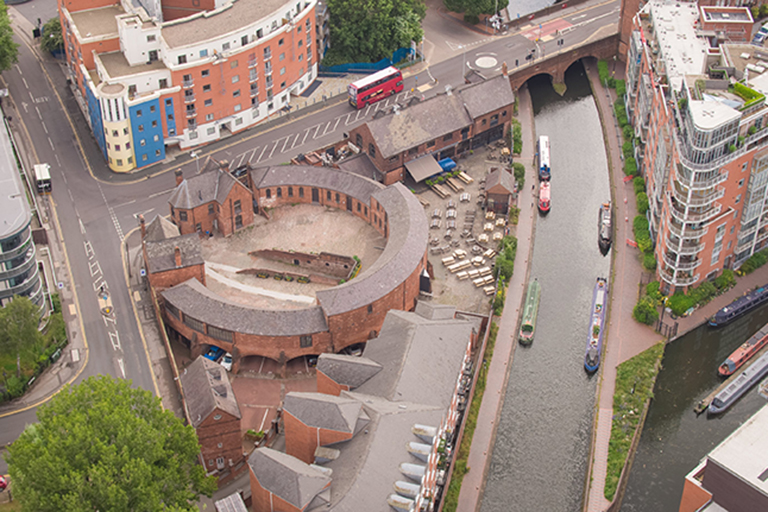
(43, 178)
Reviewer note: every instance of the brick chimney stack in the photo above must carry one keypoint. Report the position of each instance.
(143, 226)
(177, 256)
(179, 177)
(504, 69)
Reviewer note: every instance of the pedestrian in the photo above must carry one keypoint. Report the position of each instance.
(533, 187)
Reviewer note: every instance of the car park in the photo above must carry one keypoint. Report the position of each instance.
(214, 353)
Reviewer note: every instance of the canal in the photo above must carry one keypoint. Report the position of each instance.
(674, 439)
(539, 460)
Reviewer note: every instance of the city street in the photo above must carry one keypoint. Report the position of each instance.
(96, 208)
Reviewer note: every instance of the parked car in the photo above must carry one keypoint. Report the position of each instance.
(3, 483)
(214, 353)
(226, 362)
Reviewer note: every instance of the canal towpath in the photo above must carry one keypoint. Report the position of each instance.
(496, 381)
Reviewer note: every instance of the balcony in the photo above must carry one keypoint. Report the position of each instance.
(267, 56)
(254, 92)
(253, 77)
(191, 112)
(682, 280)
(696, 199)
(25, 266)
(681, 265)
(679, 213)
(252, 63)
(21, 248)
(188, 83)
(268, 70)
(699, 185)
(189, 98)
(686, 232)
(684, 248)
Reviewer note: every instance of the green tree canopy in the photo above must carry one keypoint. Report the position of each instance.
(19, 336)
(370, 30)
(473, 8)
(51, 39)
(103, 445)
(9, 50)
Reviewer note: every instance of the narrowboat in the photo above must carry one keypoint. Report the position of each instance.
(604, 227)
(741, 305)
(596, 326)
(545, 172)
(530, 312)
(545, 198)
(751, 376)
(745, 352)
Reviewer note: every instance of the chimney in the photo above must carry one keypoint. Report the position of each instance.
(177, 256)
(179, 177)
(504, 69)
(143, 226)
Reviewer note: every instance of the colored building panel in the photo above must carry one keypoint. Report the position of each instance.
(94, 113)
(147, 132)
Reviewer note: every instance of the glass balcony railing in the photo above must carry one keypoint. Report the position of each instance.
(686, 232)
(696, 199)
(682, 264)
(684, 248)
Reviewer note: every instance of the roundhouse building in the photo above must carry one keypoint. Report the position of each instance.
(158, 73)
(343, 315)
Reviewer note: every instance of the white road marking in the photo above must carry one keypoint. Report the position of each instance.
(253, 154)
(337, 124)
(326, 128)
(125, 204)
(98, 284)
(82, 230)
(51, 143)
(18, 69)
(122, 366)
(316, 130)
(305, 137)
(94, 267)
(347, 121)
(63, 175)
(44, 127)
(114, 338)
(161, 193)
(88, 247)
(273, 149)
(295, 140)
(25, 82)
(286, 143)
(38, 113)
(109, 320)
(262, 154)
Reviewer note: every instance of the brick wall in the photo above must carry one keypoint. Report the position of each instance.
(694, 497)
(264, 501)
(214, 217)
(324, 263)
(301, 440)
(224, 431)
(328, 386)
(168, 278)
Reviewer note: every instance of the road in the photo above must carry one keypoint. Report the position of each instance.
(96, 214)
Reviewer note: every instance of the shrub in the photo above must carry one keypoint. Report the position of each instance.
(619, 109)
(517, 137)
(627, 131)
(652, 290)
(679, 303)
(498, 301)
(630, 166)
(471, 18)
(754, 262)
(725, 280)
(732, 148)
(621, 88)
(627, 149)
(611, 82)
(623, 121)
(645, 311)
(519, 172)
(752, 130)
(704, 292)
(602, 70)
(642, 203)
(638, 184)
(649, 261)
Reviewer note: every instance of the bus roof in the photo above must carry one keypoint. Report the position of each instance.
(42, 171)
(374, 77)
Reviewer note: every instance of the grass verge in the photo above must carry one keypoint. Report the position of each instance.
(634, 387)
(460, 466)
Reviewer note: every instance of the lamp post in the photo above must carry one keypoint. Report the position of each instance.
(197, 160)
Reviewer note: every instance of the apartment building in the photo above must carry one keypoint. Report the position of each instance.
(696, 99)
(153, 74)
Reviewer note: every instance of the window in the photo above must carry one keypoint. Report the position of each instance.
(170, 117)
(244, 40)
(233, 64)
(370, 308)
(253, 74)
(207, 88)
(494, 119)
(238, 107)
(211, 130)
(141, 127)
(211, 210)
(206, 72)
(151, 38)
(290, 191)
(203, 54)
(267, 53)
(127, 145)
(238, 207)
(301, 58)
(372, 150)
(431, 144)
(117, 147)
(282, 70)
(282, 57)
(269, 194)
(235, 79)
(182, 216)
(328, 195)
(225, 47)
(139, 113)
(162, 83)
(182, 59)
(151, 109)
(156, 138)
(208, 102)
(187, 79)
(448, 138)
(301, 192)
(337, 197)
(217, 417)
(484, 122)
(504, 113)
(413, 151)
(282, 86)
(358, 140)
(280, 43)
(279, 192)
(168, 103)
(305, 341)
(125, 131)
(738, 199)
(238, 121)
(154, 124)
(301, 43)
(119, 161)
(144, 157)
(220, 462)
(199, 227)
(236, 94)
(741, 182)
(157, 152)
(358, 207)
(142, 142)
(209, 117)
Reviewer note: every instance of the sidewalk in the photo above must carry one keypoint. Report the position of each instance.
(506, 340)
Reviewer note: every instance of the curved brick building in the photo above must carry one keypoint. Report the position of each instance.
(343, 315)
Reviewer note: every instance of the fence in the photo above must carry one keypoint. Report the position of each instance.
(367, 67)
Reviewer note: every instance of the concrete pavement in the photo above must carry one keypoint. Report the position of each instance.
(506, 339)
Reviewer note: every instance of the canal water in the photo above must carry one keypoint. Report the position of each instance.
(540, 456)
(674, 439)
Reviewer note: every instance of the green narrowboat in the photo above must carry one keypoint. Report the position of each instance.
(530, 311)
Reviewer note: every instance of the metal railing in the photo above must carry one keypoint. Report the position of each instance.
(687, 233)
(187, 83)
(696, 200)
(189, 98)
(191, 112)
(681, 265)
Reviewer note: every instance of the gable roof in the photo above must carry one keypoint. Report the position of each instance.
(198, 190)
(350, 371)
(160, 229)
(287, 477)
(500, 180)
(206, 388)
(232, 503)
(161, 255)
(434, 311)
(362, 165)
(487, 96)
(319, 410)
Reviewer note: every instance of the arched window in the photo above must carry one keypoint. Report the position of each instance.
(279, 192)
(269, 194)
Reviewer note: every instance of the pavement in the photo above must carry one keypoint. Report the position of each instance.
(496, 382)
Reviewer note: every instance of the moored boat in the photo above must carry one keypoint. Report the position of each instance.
(596, 326)
(545, 172)
(530, 312)
(743, 354)
(604, 227)
(739, 306)
(751, 376)
(545, 198)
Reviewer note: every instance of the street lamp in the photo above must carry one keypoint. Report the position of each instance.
(197, 160)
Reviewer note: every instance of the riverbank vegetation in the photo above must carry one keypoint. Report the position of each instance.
(635, 379)
(470, 422)
(754, 262)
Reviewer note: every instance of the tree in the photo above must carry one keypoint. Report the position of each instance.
(475, 7)
(370, 30)
(52, 39)
(103, 445)
(9, 50)
(645, 311)
(19, 322)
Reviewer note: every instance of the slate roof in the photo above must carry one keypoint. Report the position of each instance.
(419, 124)
(433, 311)
(350, 371)
(287, 477)
(161, 255)
(199, 302)
(322, 177)
(487, 96)
(501, 180)
(362, 165)
(405, 249)
(206, 388)
(329, 412)
(232, 503)
(203, 188)
(160, 229)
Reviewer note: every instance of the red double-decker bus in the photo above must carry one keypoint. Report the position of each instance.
(374, 87)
